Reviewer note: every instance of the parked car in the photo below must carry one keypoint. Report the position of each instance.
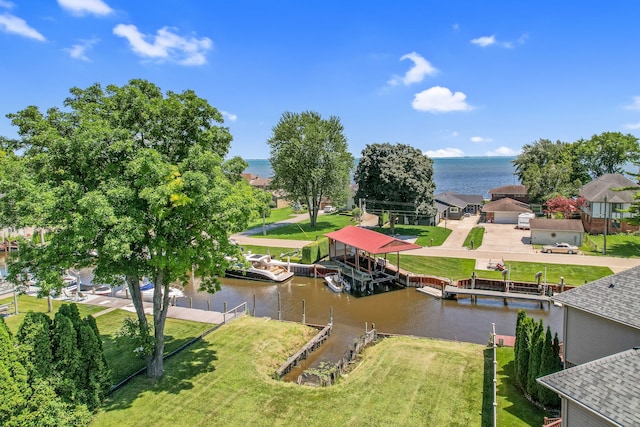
(329, 209)
(560, 248)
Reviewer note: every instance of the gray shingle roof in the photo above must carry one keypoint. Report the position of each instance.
(620, 302)
(506, 205)
(509, 189)
(609, 386)
(459, 200)
(604, 187)
(556, 224)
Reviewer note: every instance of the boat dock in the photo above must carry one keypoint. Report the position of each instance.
(474, 293)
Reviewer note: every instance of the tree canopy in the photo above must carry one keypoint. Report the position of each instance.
(310, 159)
(396, 178)
(132, 182)
(607, 152)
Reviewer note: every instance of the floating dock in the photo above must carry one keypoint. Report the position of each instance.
(452, 290)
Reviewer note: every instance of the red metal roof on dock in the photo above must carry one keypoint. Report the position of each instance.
(370, 241)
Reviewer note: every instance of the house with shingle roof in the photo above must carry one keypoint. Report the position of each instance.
(546, 231)
(504, 211)
(605, 202)
(604, 392)
(515, 192)
(452, 205)
(601, 327)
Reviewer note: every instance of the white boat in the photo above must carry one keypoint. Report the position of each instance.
(261, 268)
(147, 289)
(336, 283)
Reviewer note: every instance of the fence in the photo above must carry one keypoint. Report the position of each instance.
(592, 245)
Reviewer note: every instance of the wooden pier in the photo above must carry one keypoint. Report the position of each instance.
(313, 344)
(474, 293)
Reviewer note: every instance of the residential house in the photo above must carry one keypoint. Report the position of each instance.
(516, 192)
(277, 196)
(504, 211)
(549, 231)
(601, 386)
(605, 202)
(455, 206)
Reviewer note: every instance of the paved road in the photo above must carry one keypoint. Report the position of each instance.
(501, 241)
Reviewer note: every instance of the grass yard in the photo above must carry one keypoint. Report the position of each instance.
(427, 235)
(474, 238)
(274, 251)
(574, 275)
(303, 230)
(226, 379)
(513, 410)
(276, 215)
(619, 245)
(462, 268)
(119, 352)
(28, 303)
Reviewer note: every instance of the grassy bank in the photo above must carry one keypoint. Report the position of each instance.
(226, 378)
(618, 245)
(462, 268)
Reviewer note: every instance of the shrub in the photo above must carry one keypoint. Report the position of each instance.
(315, 251)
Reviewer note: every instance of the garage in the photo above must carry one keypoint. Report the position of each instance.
(504, 211)
(549, 231)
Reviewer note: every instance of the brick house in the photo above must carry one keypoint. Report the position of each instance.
(605, 203)
(516, 192)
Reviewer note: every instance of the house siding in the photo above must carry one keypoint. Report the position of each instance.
(577, 416)
(593, 218)
(549, 237)
(589, 337)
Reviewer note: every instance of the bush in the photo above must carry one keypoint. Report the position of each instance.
(315, 251)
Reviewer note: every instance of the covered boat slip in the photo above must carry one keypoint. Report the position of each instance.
(354, 250)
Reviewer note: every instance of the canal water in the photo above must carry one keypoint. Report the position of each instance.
(406, 312)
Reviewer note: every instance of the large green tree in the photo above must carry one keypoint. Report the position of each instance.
(310, 159)
(396, 178)
(607, 152)
(549, 169)
(129, 180)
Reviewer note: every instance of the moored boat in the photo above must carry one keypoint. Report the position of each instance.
(262, 268)
(336, 283)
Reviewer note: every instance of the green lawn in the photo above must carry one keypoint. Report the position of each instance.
(119, 353)
(462, 268)
(304, 231)
(28, 303)
(474, 238)
(226, 379)
(427, 235)
(513, 409)
(619, 245)
(276, 215)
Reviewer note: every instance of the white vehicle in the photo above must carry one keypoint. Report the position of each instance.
(560, 248)
(523, 220)
(329, 209)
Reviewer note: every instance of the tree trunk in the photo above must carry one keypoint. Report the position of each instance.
(392, 222)
(155, 364)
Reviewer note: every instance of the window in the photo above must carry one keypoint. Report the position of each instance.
(453, 209)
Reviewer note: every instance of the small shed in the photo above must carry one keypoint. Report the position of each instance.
(549, 231)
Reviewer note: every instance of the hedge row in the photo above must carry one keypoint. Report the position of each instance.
(315, 251)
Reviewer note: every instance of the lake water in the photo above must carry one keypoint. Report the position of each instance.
(464, 175)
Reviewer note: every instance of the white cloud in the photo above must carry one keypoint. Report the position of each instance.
(421, 68)
(86, 7)
(440, 99)
(14, 25)
(480, 139)
(6, 4)
(229, 116)
(166, 45)
(78, 51)
(635, 105)
(484, 41)
(445, 152)
(503, 151)
(633, 126)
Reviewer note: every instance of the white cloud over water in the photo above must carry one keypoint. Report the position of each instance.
(440, 99)
(421, 68)
(503, 151)
(444, 152)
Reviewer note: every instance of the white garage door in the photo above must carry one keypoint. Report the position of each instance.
(506, 217)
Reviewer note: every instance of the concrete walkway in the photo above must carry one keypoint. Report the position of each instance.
(459, 231)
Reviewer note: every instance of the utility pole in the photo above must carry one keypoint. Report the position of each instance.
(606, 221)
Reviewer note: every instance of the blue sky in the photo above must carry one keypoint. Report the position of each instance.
(453, 78)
